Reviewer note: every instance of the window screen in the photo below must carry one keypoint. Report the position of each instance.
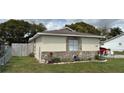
(73, 45)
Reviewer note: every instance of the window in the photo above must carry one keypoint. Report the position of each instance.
(73, 45)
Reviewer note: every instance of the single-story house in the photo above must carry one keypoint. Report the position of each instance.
(64, 43)
(115, 44)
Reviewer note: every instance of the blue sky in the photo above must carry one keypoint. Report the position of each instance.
(59, 23)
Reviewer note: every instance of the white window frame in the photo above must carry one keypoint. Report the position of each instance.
(73, 44)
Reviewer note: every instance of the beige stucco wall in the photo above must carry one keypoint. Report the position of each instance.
(90, 44)
(53, 43)
(49, 44)
(38, 45)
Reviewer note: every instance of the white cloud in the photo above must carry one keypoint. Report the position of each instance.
(52, 26)
(59, 23)
(3, 20)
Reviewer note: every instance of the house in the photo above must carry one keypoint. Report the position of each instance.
(115, 44)
(65, 43)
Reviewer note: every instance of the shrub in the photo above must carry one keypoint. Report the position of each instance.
(31, 54)
(56, 60)
(66, 60)
(82, 59)
(97, 57)
(101, 57)
(89, 58)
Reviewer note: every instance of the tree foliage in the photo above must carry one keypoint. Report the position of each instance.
(87, 28)
(20, 31)
(84, 28)
(115, 31)
(111, 32)
(17, 30)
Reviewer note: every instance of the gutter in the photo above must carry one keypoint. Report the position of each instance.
(51, 34)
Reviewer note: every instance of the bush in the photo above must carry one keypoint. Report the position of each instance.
(31, 54)
(56, 60)
(101, 57)
(97, 57)
(82, 59)
(66, 60)
(89, 58)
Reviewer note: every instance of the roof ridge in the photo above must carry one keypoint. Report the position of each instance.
(70, 29)
(67, 28)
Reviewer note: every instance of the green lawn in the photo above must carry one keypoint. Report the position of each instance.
(119, 52)
(28, 64)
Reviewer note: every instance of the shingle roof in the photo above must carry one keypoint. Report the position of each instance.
(64, 32)
(67, 30)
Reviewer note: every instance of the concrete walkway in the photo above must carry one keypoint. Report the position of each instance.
(81, 62)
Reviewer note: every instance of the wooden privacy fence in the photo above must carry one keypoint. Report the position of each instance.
(21, 49)
(5, 58)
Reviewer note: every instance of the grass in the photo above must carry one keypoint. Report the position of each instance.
(119, 52)
(30, 65)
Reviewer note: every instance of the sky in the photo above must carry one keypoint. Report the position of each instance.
(52, 24)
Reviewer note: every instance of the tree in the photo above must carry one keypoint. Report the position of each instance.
(19, 30)
(115, 31)
(36, 28)
(84, 28)
(87, 28)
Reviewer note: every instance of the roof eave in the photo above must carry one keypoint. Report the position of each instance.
(51, 34)
(113, 38)
(34, 37)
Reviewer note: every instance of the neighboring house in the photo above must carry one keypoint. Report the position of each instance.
(115, 44)
(65, 43)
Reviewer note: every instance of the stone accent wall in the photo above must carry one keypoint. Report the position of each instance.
(83, 55)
